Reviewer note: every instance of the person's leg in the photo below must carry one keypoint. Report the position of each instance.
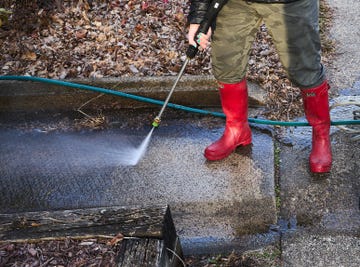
(235, 31)
(295, 32)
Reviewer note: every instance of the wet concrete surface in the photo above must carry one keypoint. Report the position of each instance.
(317, 199)
(215, 205)
(48, 162)
(329, 201)
(320, 214)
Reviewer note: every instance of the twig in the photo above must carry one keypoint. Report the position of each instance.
(87, 102)
(47, 262)
(177, 256)
(61, 238)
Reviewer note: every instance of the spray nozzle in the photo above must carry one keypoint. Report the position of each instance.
(156, 122)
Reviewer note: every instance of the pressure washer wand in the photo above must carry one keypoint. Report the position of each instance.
(157, 119)
(209, 18)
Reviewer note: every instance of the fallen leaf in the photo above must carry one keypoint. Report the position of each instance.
(119, 237)
(29, 55)
(81, 34)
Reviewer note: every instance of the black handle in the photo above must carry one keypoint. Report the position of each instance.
(210, 16)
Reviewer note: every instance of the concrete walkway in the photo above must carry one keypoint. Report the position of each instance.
(322, 213)
(344, 70)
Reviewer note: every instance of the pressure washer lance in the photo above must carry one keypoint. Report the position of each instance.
(192, 50)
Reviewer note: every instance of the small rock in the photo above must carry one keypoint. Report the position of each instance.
(86, 243)
(32, 252)
(133, 69)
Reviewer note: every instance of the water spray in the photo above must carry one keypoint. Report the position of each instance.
(192, 50)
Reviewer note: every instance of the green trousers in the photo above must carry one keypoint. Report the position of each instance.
(294, 28)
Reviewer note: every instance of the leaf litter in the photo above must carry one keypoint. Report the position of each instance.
(95, 39)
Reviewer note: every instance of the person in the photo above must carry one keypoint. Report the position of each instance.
(294, 27)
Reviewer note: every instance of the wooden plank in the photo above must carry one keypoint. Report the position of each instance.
(140, 252)
(149, 233)
(148, 253)
(131, 222)
(155, 242)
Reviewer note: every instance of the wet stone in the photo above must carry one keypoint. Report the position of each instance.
(214, 204)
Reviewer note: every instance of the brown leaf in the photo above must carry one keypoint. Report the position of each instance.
(29, 55)
(80, 34)
(139, 27)
(118, 238)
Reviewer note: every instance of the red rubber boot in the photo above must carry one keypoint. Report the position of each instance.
(234, 102)
(316, 106)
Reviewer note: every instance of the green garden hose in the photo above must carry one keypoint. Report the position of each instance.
(159, 102)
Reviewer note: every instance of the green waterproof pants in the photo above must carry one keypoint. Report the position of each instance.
(294, 28)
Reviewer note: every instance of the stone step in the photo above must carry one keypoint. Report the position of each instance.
(212, 202)
(29, 95)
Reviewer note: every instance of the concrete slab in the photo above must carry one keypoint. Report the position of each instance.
(213, 203)
(19, 95)
(304, 248)
(344, 69)
(329, 201)
(320, 214)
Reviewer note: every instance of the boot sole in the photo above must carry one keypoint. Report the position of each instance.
(222, 156)
(325, 169)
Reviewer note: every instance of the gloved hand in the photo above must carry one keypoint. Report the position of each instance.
(203, 40)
